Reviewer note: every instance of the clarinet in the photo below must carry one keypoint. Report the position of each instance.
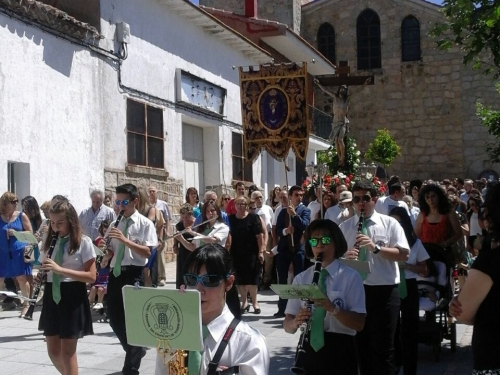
(108, 241)
(360, 227)
(298, 367)
(38, 286)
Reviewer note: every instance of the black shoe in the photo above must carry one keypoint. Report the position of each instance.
(256, 310)
(246, 309)
(279, 314)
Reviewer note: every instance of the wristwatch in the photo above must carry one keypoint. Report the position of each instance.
(377, 248)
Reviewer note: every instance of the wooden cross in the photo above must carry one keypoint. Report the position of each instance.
(343, 78)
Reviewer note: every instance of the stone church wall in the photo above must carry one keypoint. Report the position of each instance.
(428, 105)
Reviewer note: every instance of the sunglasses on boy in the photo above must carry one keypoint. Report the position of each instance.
(365, 198)
(123, 202)
(325, 240)
(208, 281)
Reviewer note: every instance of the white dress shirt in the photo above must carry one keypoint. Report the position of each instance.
(417, 254)
(266, 213)
(336, 214)
(315, 207)
(384, 206)
(344, 288)
(163, 207)
(90, 221)
(142, 231)
(277, 211)
(246, 348)
(219, 231)
(386, 231)
(75, 261)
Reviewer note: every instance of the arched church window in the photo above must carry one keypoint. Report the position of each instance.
(368, 40)
(326, 41)
(410, 39)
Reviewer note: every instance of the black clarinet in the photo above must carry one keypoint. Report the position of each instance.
(360, 227)
(300, 356)
(108, 242)
(38, 286)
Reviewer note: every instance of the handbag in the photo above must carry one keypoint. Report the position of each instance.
(29, 253)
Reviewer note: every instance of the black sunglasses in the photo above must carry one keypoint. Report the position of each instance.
(365, 198)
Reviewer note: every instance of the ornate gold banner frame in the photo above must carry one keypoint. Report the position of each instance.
(274, 110)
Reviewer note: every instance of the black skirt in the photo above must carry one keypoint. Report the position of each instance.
(71, 318)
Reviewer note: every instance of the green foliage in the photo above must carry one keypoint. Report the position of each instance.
(473, 25)
(491, 120)
(383, 149)
(331, 158)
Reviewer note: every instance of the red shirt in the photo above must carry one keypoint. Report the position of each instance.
(231, 208)
(435, 232)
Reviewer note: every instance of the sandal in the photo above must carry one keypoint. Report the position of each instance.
(26, 306)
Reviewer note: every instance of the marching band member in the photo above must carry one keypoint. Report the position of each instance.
(209, 270)
(66, 313)
(331, 348)
(382, 242)
(131, 244)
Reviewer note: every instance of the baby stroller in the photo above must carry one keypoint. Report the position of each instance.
(435, 292)
(100, 284)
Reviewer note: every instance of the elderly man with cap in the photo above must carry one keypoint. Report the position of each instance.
(343, 210)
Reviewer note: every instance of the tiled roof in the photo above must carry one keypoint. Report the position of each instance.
(51, 17)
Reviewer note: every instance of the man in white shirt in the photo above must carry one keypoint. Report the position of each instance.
(341, 211)
(414, 211)
(158, 274)
(395, 199)
(92, 217)
(385, 245)
(315, 205)
(464, 197)
(266, 213)
(130, 246)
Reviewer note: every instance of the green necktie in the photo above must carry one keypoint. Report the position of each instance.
(362, 250)
(56, 278)
(194, 357)
(402, 284)
(318, 318)
(117, 270)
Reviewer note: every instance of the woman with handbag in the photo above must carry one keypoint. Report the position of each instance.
(12, 263)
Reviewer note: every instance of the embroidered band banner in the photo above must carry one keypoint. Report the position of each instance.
(274, 110)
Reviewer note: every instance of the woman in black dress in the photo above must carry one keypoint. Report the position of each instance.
(187, 220)
(247, 249)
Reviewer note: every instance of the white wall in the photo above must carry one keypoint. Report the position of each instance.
(151, 69)
(49, 113)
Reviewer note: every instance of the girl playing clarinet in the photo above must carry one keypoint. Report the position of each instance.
(331, 347)
(66, 313)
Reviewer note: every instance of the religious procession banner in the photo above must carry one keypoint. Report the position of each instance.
(274, 110)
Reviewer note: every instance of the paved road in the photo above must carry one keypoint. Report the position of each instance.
(23, 351)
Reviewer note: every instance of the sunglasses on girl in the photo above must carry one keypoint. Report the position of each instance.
(325, 240)
(365, 198)
(124, 202)
(208, 281)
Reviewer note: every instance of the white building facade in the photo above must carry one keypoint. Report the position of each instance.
(123, 93)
